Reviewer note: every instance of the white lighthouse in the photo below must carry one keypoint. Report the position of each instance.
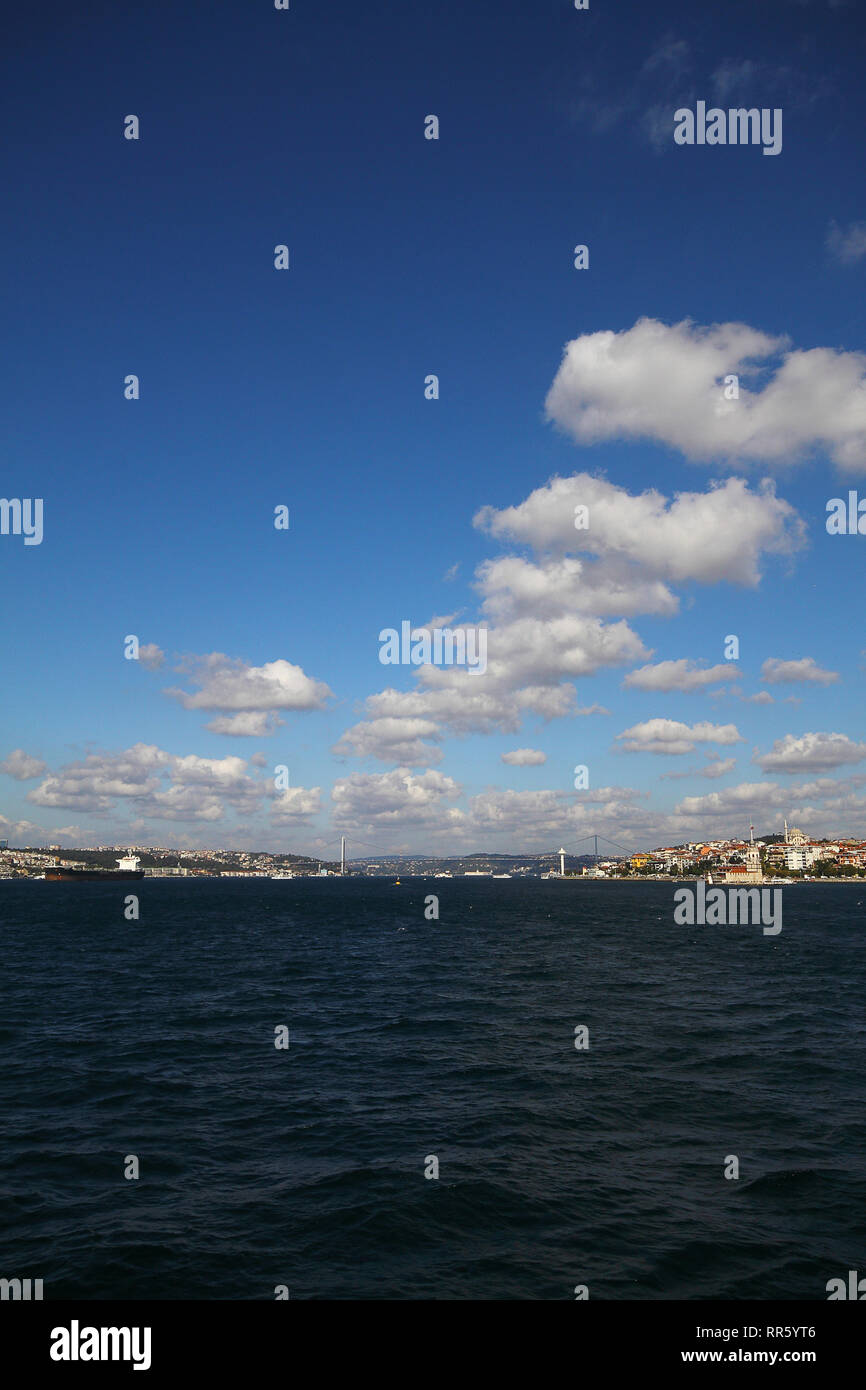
(562, 863)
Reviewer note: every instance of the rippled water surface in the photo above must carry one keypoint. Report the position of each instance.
(412, 1038)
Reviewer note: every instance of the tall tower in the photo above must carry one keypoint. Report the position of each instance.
(786, 830)
(753, 854)
(562, 862)
(342, 854)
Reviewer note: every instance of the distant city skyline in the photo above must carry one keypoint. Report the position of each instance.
(589, 398)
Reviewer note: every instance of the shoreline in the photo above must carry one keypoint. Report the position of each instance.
(455, 878)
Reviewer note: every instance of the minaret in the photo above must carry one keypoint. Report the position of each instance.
(786, 830)
(342, 854)
(562, 863)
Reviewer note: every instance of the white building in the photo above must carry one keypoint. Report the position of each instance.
(794, 836)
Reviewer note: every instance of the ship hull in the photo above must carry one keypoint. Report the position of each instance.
(94, 875)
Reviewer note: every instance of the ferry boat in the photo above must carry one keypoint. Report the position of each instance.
(127, 870)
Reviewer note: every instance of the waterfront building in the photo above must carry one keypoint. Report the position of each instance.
(750, 871)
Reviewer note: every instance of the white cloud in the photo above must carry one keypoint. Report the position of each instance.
(544, 819)
(25, 832)
(664, 382)
(813, 752)
(547, 617)
(22, 766)
(821, 806)
(524, 757)
(732, 803)
(296, 805)
(720, 534)
(97, 781)
(647, 97)
(151, 656)
(682, 674)
(247, 724)
(715, 766)
(154, 783)
(847, 244)
(777, 672)
(730, 77)
(462, 704)
(670, 56)
(669, 736)
(391, 800)
(228, 684)
(208, 771)
(443, 620)
(378, 808)
(516, 587)
(533, 652)
(529, 662)
(392, 739)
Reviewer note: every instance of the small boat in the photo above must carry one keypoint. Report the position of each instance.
(396, 883)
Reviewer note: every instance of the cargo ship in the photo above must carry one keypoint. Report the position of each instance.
(127, 868)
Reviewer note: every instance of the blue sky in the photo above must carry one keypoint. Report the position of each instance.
(306, 388)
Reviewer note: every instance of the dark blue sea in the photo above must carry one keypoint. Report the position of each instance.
(412, 1038)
